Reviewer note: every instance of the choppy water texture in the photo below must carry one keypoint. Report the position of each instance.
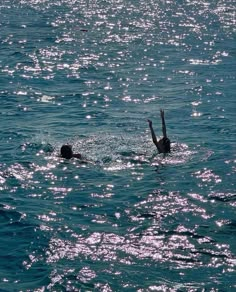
(91, 73)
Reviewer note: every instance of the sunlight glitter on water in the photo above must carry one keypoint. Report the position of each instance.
(90, 74)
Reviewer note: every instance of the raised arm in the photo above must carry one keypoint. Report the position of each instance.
(154, 138)
(163, 123)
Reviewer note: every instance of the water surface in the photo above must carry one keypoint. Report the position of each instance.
(90, 73)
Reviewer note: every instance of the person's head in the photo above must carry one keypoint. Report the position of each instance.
(66, 151)
(166, 144)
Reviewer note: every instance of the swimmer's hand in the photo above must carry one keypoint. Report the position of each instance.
(149, 122)
(162, 113)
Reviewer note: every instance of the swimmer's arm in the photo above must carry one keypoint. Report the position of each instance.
(79, 156)
(154, 138)
(163, 123)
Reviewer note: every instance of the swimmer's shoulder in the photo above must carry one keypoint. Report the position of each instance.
(77, 155)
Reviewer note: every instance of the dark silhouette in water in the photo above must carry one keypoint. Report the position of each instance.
(163, 145)
(67, 152)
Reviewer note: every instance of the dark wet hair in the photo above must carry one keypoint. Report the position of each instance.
(66, 151)
(166, 144)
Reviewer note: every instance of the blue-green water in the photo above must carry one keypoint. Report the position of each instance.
(91, 73)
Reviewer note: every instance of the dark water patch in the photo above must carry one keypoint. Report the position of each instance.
(65, 284)
(231, 224)
(211, 253)
(10, 215)
(147, 215)
(13, 255)
(223, 197)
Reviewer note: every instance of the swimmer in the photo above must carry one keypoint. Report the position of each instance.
(66, 152)
(163, 145)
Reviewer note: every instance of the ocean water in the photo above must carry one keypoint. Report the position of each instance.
(90, 73)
